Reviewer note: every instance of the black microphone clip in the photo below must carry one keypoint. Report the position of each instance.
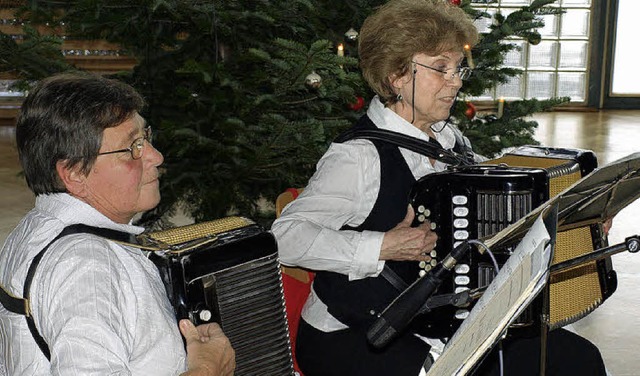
(399, 313)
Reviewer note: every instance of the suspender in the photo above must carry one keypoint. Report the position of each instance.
(22, 306)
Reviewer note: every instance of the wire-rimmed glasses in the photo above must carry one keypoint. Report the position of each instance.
(137, 146)
(451, 73)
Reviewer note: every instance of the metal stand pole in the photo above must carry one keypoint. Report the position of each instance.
(544, 328)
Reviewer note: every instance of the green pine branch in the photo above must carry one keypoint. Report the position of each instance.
(226, 87)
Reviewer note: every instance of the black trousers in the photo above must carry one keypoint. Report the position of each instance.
(567, 354)
(346, 352)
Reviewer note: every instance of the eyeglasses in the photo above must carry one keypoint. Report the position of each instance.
(137, 146)
(462, 72)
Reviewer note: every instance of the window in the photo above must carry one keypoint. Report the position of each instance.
(557, 65)
(625, 80)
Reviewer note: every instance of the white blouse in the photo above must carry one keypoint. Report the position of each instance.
(342, 192)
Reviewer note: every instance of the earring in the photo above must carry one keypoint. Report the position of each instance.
(399, 97)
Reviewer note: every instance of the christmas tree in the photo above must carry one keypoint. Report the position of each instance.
(245, 96)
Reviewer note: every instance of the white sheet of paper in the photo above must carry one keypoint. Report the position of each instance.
(520, 279)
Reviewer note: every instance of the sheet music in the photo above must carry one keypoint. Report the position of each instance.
(520, 279)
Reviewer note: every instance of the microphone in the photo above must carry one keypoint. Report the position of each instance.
(399, 313)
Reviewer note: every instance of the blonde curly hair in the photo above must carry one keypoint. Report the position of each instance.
(400, 29)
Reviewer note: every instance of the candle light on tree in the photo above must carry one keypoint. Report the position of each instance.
(467, 51)
(500, 107)
(340, 52)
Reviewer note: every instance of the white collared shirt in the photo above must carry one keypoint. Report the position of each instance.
(342, 192)
(100, 306)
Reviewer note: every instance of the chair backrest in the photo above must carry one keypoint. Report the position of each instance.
(285, 198)
(296, 282)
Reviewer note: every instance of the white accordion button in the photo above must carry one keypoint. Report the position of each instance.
(421, 218)
(462, 280)
(459, 200)
(462, 268)
(434, 253)
(205, 315)
(422, 273)
(433, 226)
(461, 235)
(421, 209)
(422, 264)
(462, 314)
(461, 289)
(460, 223)
(460, 211)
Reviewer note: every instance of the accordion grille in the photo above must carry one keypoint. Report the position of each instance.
(252, 314)
(576, 292)
(497, 210)
(183, 234)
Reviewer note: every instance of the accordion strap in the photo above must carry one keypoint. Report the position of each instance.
(22, 306)
(431, 148)
(393, 278)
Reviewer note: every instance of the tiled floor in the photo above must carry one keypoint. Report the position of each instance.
(613, 327)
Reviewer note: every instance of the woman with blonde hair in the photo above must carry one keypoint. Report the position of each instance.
(352, 223)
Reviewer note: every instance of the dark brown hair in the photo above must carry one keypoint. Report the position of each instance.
(63, 118)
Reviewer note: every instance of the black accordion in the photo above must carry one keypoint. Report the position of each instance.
(476, 202)
(227, 271)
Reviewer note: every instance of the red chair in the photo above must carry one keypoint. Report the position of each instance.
(296, 282)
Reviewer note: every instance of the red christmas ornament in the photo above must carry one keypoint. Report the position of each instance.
(470, 112)
(455, 2)
(357, 104)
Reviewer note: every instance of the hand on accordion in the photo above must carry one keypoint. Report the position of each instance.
(209, 352)
(406, 243)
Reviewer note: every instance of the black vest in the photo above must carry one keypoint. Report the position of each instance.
(357, 303)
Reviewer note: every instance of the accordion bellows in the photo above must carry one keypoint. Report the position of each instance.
(227, 271)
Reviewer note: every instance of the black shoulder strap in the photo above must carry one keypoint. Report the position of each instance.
(463, 146)
(432, 148)
(393, 278)
(22, 306)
